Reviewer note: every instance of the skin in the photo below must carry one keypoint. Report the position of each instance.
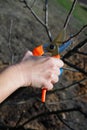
(39, 72)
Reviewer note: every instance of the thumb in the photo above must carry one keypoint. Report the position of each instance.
(27, 54)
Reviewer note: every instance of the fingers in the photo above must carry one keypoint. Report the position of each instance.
(50, 80)
(53, 78)
(58, 62)
(53, 72)
(47, 85)
(54, 62)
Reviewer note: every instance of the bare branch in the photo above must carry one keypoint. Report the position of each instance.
(9, 42)
(75, 67)
(71, 52)
(75, 35)
(46, 12)
(20, 118)
(33, 3)
(34, 14)
(67, 87)
(46, 20)
(64, 123)
(69, 14)
(44, 24)
(82, 53)
(50, 113)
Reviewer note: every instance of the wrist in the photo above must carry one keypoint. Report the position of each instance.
(23, 76)
(18, 76)
(14, 73)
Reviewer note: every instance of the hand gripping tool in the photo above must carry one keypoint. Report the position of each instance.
(52, 49)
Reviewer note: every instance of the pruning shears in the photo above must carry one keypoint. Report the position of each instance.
(53, 49)
(56, 47)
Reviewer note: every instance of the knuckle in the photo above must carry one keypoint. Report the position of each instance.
(50, 75)
(50, 87)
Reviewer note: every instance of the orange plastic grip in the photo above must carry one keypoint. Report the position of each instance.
(43, 96)
(38, 51)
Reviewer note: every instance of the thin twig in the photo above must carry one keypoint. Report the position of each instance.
(33, 3)
(72, 51)
(64, 123)
(76, 67)
(82, 53)
(69, 14)
(46, 12)
(67, 87)
(75, 35)
(9, 42)
(50, 113)
(46, 20)
(34, 14)
(44, 24)
(19, 120)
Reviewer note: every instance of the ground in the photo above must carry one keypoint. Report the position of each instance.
(19, 31)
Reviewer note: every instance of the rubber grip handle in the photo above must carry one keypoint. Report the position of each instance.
(43, 95)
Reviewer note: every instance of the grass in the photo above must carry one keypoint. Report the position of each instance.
(79, 12)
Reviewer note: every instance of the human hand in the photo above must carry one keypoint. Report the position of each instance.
(39, 71)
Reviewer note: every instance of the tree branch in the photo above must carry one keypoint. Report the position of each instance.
(34, 14)
(82, 53)
(72, 51)
(44, 24)
(69, 14)
(75, 35)
(9, 42)
(67, 87)
(74, 66)
(50, 113)
(64, 123)
(46, 20)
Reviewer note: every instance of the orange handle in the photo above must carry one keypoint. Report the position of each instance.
(43, 96)
(38, 51)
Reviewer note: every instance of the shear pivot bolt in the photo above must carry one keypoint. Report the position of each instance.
(52, 46)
